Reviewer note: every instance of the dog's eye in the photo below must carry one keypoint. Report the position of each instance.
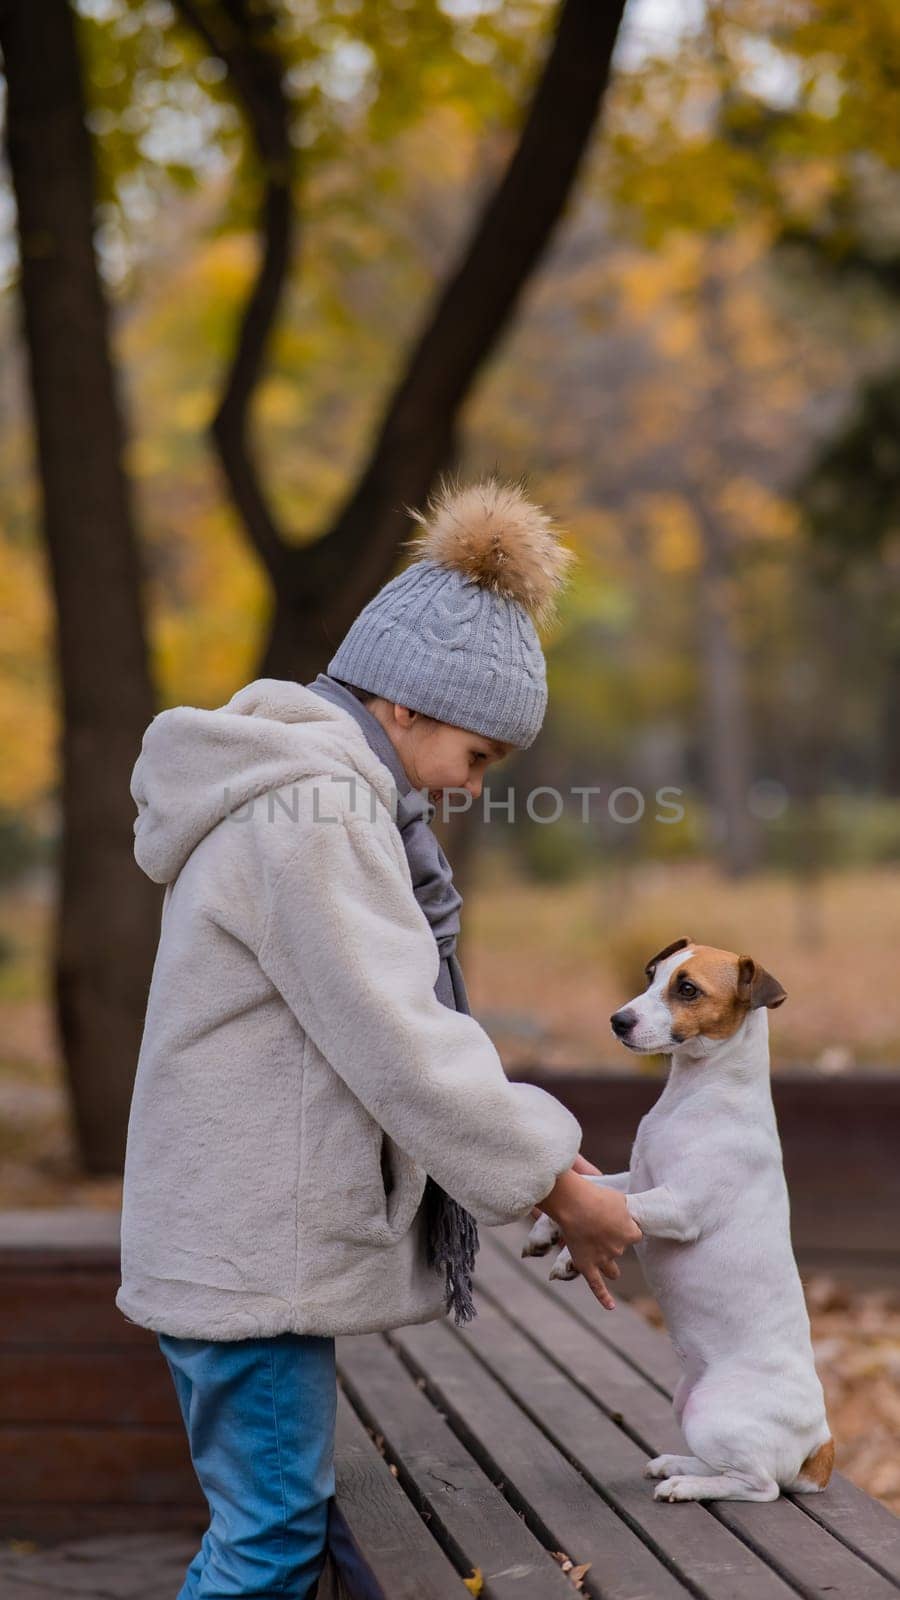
(687, 990)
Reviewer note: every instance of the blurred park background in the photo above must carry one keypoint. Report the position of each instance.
(267, 268)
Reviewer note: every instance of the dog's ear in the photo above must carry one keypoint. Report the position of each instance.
(758, 986)
(680, 944)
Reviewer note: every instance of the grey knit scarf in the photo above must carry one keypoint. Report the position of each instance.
(451, 1231)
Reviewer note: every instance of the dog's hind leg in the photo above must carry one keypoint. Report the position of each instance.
(682, 1389)
(677, 1466)
(668, 1466)
(721, 1423)
(815, 1471)
(725, 1486)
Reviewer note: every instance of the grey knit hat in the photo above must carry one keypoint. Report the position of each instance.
(455, 635)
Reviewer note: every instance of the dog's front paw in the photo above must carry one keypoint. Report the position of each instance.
(543, 1235)
(564, 1267)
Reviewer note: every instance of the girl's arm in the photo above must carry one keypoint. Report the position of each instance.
(580, 1164)
(348, 946)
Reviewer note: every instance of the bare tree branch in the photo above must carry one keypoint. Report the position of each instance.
(320, 587)
(328, 582)
(240, 33)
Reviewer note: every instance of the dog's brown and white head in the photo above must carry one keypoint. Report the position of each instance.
(694, 993)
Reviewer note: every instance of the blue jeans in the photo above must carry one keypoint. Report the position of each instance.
(260, 1416)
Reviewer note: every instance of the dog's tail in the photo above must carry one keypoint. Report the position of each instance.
(815, 1471)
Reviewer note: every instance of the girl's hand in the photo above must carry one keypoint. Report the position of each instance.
(596, 1225)
(580, 1164)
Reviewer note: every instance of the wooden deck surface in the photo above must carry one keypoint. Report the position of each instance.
(485, 1448)
(526, 1432)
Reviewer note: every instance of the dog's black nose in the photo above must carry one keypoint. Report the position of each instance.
(622, 1022)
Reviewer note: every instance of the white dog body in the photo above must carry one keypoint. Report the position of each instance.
(706, 1185)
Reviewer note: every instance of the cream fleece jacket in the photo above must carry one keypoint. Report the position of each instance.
(297, 1076)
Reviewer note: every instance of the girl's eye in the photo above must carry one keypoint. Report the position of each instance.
(478, 755)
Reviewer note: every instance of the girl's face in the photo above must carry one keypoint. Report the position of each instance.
(437, 755)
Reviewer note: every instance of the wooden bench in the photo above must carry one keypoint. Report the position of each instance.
(461, 1453)
(91, 1439)
(526, 1432)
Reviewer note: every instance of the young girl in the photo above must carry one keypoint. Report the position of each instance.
(318, 1124)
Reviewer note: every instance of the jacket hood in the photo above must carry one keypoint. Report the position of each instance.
(196, 765)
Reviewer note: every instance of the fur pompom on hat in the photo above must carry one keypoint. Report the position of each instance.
(494, 535)
(454, 636)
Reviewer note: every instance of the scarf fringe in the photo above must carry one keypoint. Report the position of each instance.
(452, 1243)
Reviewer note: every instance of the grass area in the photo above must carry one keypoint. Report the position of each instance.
(547, 964)
(39, 1164)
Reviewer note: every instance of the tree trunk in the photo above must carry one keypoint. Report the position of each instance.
(889, 743)
(107, 916)
(326, 585)
(242, 33)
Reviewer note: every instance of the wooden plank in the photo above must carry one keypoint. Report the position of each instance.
(801, 1550)
(715, 1563)
(135, 1466)
(83, 1384)
(468, 1515)
(624, 1330)
(619, 1387)
(500, 1431)
(47, 1306)
(864, 1525)
(402, 1557)
(49, 1522)
(61, 1235)
(861, 1523)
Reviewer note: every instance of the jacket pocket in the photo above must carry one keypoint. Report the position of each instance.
(403, 1184)
(359, 1187)
(383, 1190)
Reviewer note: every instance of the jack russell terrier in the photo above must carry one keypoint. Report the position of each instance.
(706, 1186)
